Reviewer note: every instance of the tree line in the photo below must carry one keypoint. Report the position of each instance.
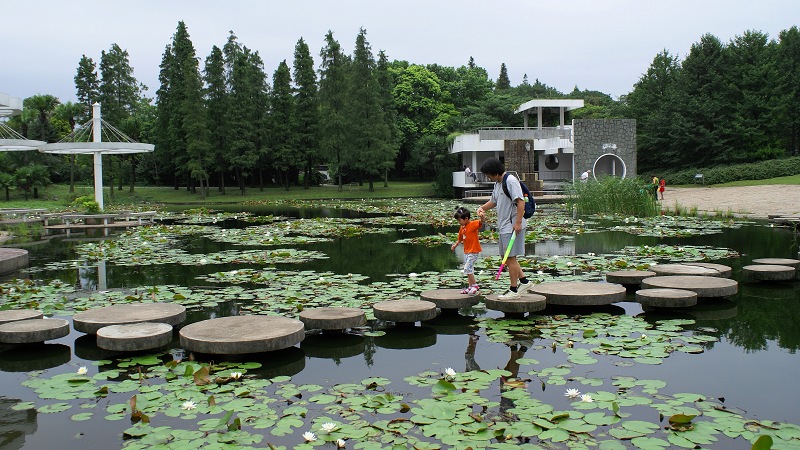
(227, 122)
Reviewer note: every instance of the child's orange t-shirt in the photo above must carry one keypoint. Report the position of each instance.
(469, 234)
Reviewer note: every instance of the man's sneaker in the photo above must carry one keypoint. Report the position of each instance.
(473, 289)
(523, 288)
(510, 295)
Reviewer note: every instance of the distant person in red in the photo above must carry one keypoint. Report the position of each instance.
(661, 185)
(468, 234)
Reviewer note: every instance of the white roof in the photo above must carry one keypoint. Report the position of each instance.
(567, 104)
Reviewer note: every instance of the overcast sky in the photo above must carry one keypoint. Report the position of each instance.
(602, 45)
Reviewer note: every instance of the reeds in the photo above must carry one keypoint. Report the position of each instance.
(613, 195)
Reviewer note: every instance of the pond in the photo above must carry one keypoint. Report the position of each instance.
(469, 380)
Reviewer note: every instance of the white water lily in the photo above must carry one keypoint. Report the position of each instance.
(570, 264)
(309, 436)
(82, 370)
(236, 375)
(541, 272)
(591, 254)
(572, 393)
(328, 427)
(340, 443)
(450, 372)
(413, 275)
(586, 398)
(189, 405)
(627, 220)
(203, 261)
(644, 336)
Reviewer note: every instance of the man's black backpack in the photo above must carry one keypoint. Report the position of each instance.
(530, 203)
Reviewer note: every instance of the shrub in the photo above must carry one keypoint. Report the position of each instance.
(763, 170)
(87, 204)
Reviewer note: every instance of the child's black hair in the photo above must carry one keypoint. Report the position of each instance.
(461, 213)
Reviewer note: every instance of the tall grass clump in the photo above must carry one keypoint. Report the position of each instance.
(613, 195)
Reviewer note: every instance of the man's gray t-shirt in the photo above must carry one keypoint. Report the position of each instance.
(506, 209)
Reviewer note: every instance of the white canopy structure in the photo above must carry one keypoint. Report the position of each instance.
(77, 143)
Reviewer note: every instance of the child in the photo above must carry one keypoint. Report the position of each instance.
(468, 234)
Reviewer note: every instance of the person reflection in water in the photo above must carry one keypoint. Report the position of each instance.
(512, 381)
(469, 354)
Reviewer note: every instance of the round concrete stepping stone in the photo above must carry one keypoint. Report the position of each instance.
(779, 261)
(683, 269)
(701, 285)
(404, 311)
(724, 271)
(629, 277)
(450, 298)
(333, 318)
(92, 320)
(33, 330)
(13, 315)
(769, 272)
(580, 293)
(12, 259)
(666, 298)
(134, 337)
(333, 346)
(236, 335)
(525, 303)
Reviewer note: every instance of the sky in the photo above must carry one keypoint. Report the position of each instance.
(602, 45)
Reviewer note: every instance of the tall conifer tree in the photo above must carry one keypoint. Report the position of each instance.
(333, 100)
(307, 109)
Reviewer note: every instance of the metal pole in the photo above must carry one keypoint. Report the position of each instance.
(98, 157)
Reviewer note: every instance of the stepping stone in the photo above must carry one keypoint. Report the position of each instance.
(525, 303)
(779, 261)
(683, 269)
(666, 298)
(92, 320)
(769, 272)
(724, 271)
(13, 315)
(580, 293)
(12, 259)
(404, 311)
(450, 298)
(629, 277)
(333, 318)
(33, 330)
(701, 285)
(237, 335)
(134, 337)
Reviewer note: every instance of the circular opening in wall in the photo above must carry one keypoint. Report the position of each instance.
(551, 162)
(609, 164)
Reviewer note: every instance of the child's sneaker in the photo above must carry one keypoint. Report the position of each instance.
(473, 289)
(465, 290)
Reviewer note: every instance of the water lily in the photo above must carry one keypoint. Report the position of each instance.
(586, 398)
(236, 375)
(450, 372)
(189, 405)
(203, 261)
(591, 254)
(569, 264)
(309, 436)
(541, 272)
(328, 427)
(413, 275)
(340, 443)
(644, 336)
(572, 393)
(82, 370)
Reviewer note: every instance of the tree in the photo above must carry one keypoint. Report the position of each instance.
(216, 96)
(371, 143)
(788, 59)
(333, 100)
(70, 112)
(306, 109)
(87, 86)
(385, 88)
(283, 125)
(502, 81)
(119, 90)
(43, 105)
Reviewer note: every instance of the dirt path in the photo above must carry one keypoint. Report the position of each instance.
(750, 201)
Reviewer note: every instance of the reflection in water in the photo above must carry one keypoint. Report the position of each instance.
(452, 324)
(24, 358)
(407, 338)
(15, 425)
(333, 345)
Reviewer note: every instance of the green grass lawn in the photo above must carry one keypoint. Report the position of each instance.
(58, 196)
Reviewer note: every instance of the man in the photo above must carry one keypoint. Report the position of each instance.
(468, 173)
(510, 210)
(585, 175)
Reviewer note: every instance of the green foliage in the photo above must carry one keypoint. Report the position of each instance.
(87, 204)
(613, 195)
(725, 174)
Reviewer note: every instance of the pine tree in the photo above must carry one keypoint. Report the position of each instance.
(87, 86)
(307, 109)
(333, 99)
(502, 81)
(217, 106)
(119, 90)
(282, 117)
